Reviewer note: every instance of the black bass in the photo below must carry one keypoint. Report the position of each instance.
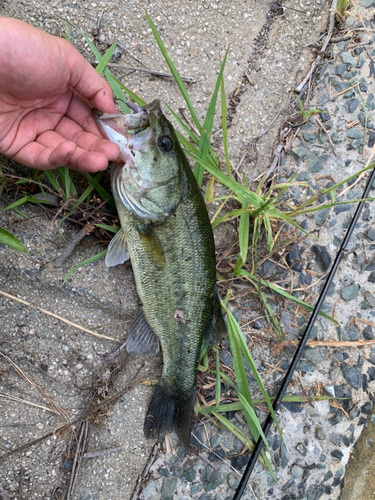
(166, 231)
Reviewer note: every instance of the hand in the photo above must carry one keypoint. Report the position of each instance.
(46, 86)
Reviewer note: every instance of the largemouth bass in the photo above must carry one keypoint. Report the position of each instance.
(166, 231)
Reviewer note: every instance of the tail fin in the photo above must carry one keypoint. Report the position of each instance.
(167, 412)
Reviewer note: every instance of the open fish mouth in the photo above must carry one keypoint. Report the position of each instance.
(133, 133)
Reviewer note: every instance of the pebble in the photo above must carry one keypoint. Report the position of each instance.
(351, 332)
(226, 358)
(305, 367)
(351, 105)
(311, 138)
(322, 216)
(322, 257)
(257, 324)
(301, 448)
(314, 164)
(370, 234)
(347, 58)
(354, 377)
(371, 277)
(284, 456)
(349, 292)
(296, 471)
(239, 462)
(169, 487)
(367, 333)
(338, 70)
(319, 433)
(232, 481)
(371, 266)
(294, 259)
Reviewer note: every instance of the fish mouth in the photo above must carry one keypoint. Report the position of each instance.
(133, 132)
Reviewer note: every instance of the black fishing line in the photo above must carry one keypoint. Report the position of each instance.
(269, 420)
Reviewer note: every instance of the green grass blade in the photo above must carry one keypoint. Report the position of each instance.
(8, 239)
(285, 294)
(235, 430)
(111, 229)
(267, 225)
(104, 60)
(52, 179)
(131, 94)
(247, 408)
(204, 141)
(17, 203)
(174, 72)
(103, 193)
(82, 264)
(224, 125)
(218, 383)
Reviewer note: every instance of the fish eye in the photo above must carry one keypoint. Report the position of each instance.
(165, 143)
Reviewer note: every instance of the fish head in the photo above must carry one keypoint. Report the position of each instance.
(148, 182)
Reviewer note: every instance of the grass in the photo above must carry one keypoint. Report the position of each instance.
(261, 216)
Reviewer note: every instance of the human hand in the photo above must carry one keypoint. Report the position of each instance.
(46, 86)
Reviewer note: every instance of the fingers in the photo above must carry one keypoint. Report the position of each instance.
(87, 82)
(52, 151)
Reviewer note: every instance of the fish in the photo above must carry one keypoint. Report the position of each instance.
(166, 233)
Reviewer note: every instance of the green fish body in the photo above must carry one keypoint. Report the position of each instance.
(167, 233)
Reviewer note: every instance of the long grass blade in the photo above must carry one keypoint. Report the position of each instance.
(102, 64)
(7, 238)
(204, 141)
(174, 72)
(84, 263)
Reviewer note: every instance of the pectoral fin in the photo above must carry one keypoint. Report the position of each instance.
(141, 339)
(117, 250)
(217, 329)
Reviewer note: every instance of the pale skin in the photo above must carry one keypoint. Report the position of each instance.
(47, 91)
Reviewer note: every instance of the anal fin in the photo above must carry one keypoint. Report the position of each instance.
(141, 339)
(117, 250)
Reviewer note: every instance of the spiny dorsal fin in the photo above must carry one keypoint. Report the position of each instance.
(117, 250)
(141, 339)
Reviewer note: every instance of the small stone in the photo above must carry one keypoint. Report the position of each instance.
(351, 332)
(339, 70)
(149, 491)
(232, 481)
(367, 333)
(371, 266)
(367, 3)
(284, 456)
(341, 208)
(294, 259)
(213, 482)
(319, 433)
(340, 86)
(296, 471)
(302, 449)
(370, 299)
(322, 257)
(313, 355)
(354, 145)
(303, 176)
(347, 58)
(370, 234)
(349, 292)
(321, 216)
(371, 277)
(226, 358)
(68, 465)
(169, 487)
(351, 105)
(354, 133)
(189, 475)
(314, 164)
(299, 152)
(334, 373)
(370, 104)
(354, 377)
(216, 455)
(311, 138)
(257, 324)
(329, 390)
(239, 462)
(337, 454)
(305, 367)
(326, 97)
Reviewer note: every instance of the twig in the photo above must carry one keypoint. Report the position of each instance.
(142, 478)
(169, 76)
(84, 416)
(19, 400)
(95, 31)
(83, 329)
(331, 343)
(80, 450)
(102, 453)
(325, 44)
(61, 260)
(327, 134)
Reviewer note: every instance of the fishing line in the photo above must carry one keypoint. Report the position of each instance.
(269, 420)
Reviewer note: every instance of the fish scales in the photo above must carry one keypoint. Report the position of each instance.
(167, 233)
